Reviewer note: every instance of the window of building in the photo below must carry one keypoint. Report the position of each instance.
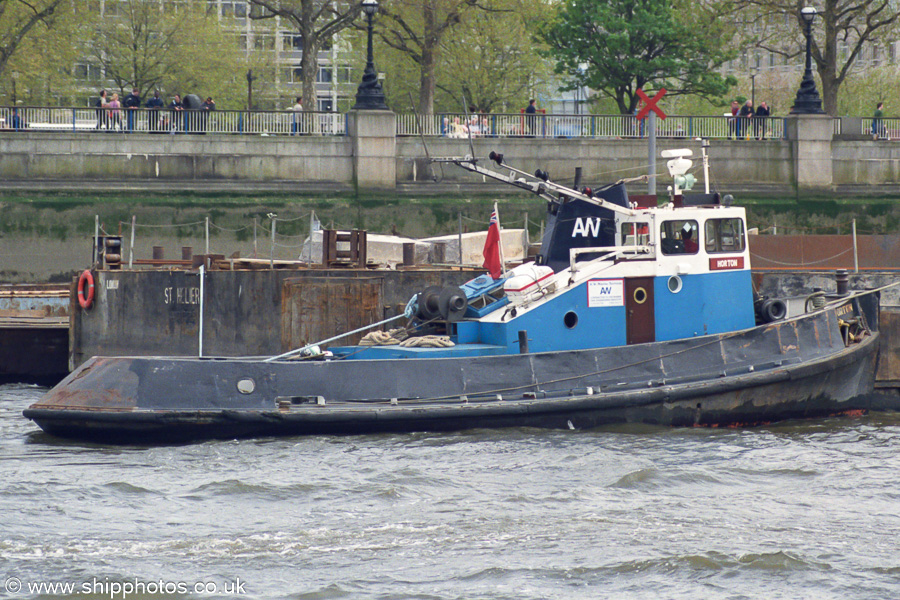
(257, 11)
(324, 75)
(344, 74)
(264, 41)
(87, 72)
(725, 235)
(679, 237)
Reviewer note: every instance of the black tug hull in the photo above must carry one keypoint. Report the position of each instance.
(805, 367)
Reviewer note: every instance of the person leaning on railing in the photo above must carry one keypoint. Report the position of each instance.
(131, 103)
(154, 104)
(296, 117)
(759, 120)
(176, 112)
(878, 122)
(102, 116)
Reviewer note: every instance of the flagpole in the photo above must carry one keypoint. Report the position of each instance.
(500, 241)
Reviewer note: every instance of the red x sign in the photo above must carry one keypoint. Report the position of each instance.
(650, 104)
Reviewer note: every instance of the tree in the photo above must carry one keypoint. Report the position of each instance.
(416, 28)
(619, 46)
(151, 45)
(492, 64)
(317, 22)
(39, 72)
(17, 19)
(841, 31)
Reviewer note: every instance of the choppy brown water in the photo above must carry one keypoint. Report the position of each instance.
(798, 510)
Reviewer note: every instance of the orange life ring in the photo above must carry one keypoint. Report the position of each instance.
(85, 301)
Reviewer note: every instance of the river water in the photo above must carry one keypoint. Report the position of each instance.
(796, 510)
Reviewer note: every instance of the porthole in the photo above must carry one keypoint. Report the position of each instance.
(674, 284)
(570, 319)
(246, 386)
(640, 295)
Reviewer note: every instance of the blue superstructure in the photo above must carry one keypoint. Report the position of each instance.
(610, 273)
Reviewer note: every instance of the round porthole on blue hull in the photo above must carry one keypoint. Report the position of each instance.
(674, 284)
(570, 319)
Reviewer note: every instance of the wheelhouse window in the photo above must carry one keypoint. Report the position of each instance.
(635, 234)
(679, 237)
(725, 235)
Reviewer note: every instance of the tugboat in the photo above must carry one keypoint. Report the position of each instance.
(632, 312)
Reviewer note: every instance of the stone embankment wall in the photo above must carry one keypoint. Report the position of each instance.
(363, 160)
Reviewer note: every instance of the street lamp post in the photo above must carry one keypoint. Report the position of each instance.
(753, 87)
(250, 79)
(369, 95)
(808, 101)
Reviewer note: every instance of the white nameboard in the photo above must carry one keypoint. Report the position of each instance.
(606, 292)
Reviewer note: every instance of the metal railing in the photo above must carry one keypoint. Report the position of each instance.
(144, 120)
(586, 126)
(449, 125)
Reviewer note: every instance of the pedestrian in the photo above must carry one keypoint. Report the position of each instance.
(531, 116)
(132, 103)
(16, 121)
(734, 127)
(114, 116)
(102, 117)
(878, 121)
(746, 115)
(206, 107)
(176, 111)
(296, 117)
(760, 120)
(154, 104)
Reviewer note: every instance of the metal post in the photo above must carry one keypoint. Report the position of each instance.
(95, 256)
(200, 334)
(527, 240)
(312, 222)
(855, 250)
(272, 252)
(460, 238)
(255, 223)
(651, 137)
(523, 341)
(207, 235)
(704, 148)
(131, 248)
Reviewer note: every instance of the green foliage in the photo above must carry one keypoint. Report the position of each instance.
(36, 60)
(179, 49)
(616, 47)
(490, 60)
(859, 95)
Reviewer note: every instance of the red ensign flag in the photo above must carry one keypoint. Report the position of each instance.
(491, 250)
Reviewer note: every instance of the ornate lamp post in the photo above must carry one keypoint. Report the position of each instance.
(369, 95)
(808, 101)
(753, 74)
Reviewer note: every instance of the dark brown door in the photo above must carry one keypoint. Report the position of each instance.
(640, 326)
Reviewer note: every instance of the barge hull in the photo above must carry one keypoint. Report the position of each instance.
(800, 368)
